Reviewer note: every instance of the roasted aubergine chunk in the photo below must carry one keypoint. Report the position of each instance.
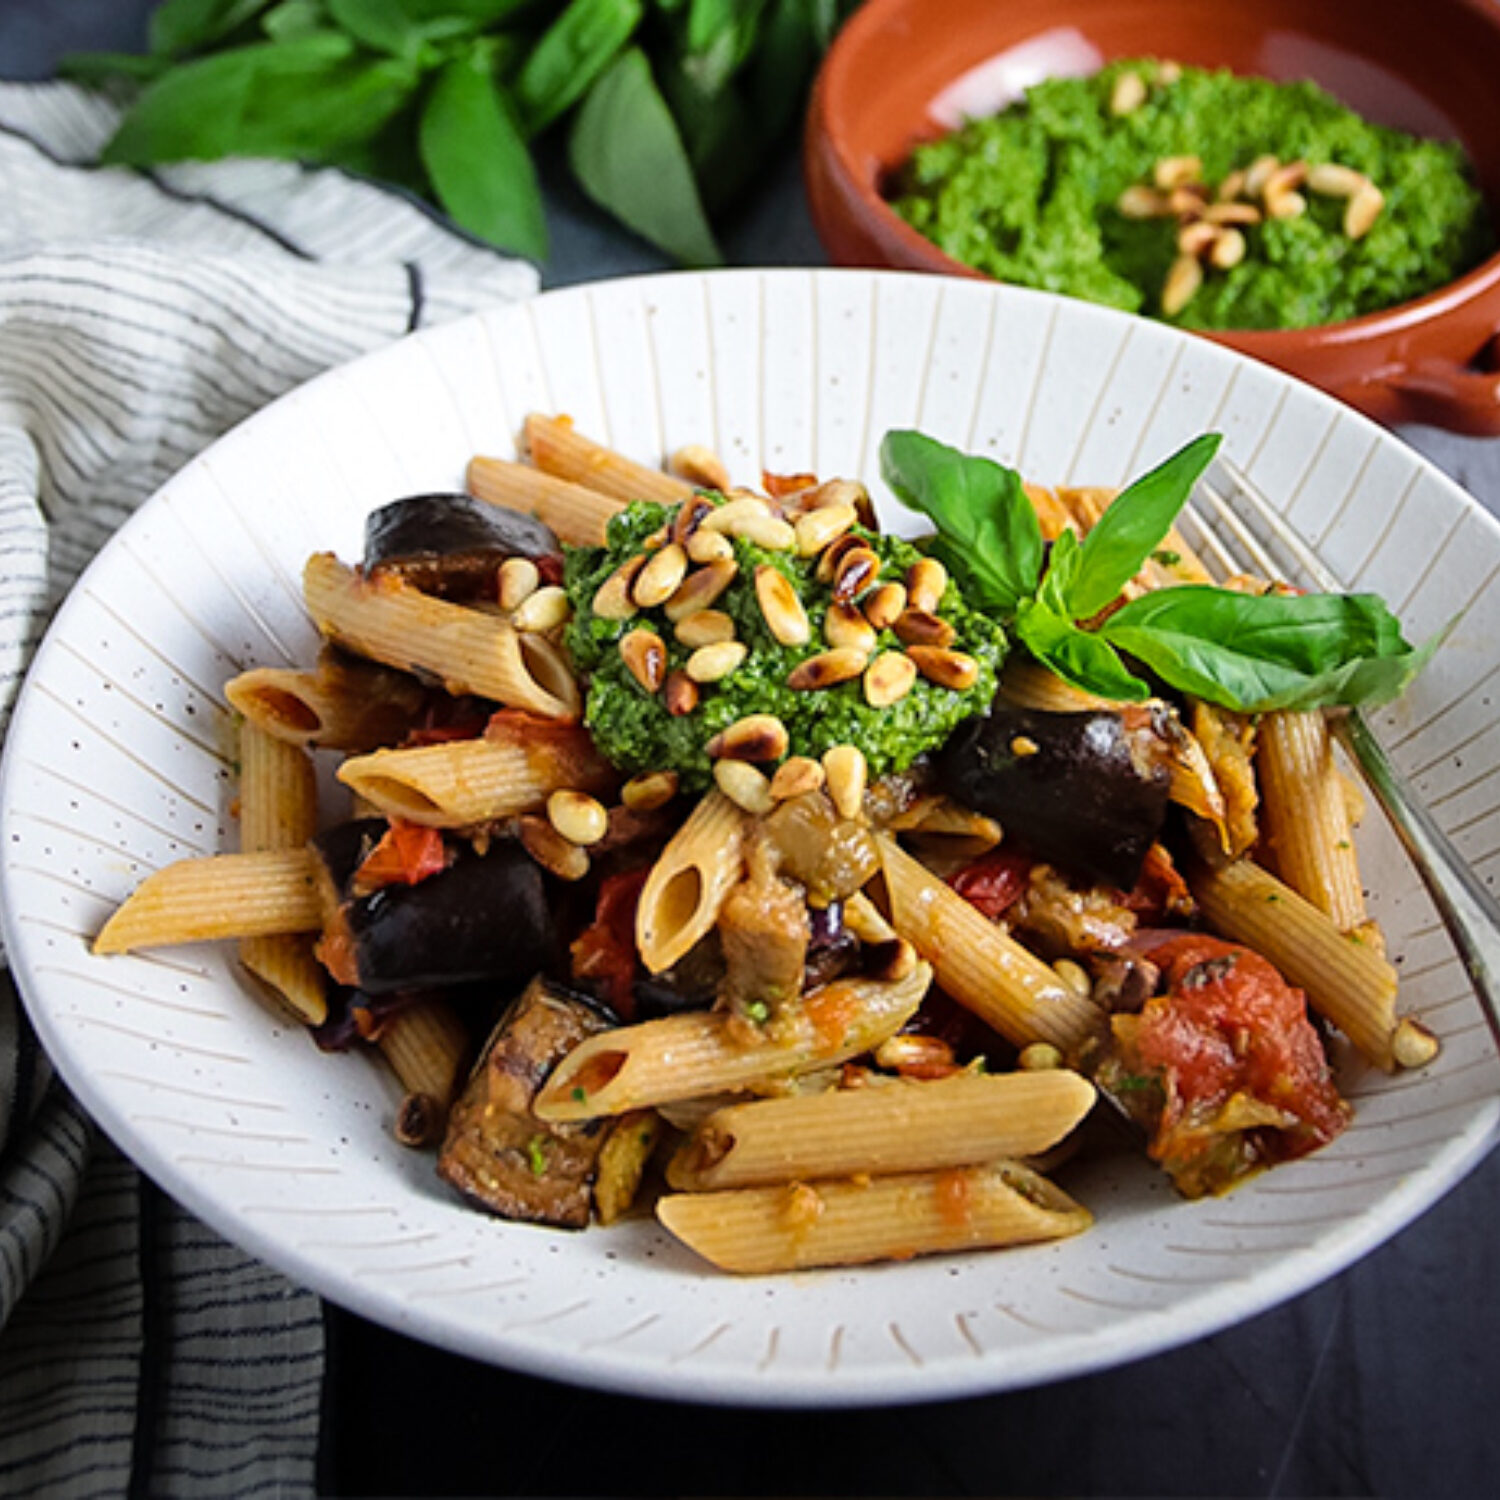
(497, 1152)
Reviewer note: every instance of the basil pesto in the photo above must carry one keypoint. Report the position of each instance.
(1056, 192)
(634, 729)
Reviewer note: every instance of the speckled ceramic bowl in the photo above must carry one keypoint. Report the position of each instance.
(903, 71)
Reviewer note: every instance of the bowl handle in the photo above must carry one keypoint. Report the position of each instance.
(1459, 396)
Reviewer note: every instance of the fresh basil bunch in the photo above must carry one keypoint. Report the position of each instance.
(669, 106)
(1249, 652)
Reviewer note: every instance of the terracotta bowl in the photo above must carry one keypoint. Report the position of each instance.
(903, 71)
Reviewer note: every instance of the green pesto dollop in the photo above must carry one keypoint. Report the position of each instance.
(633, 729)
(1029, 196)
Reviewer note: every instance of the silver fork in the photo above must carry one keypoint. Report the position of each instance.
(1226, 503)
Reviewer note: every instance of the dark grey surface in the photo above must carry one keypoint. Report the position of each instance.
(1384, 1381)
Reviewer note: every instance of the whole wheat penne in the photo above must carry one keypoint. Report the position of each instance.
(1028, 684)
(1345, 980)
(901, 1126)
(463, 783)
(758, 1230)
(557, 448)
(1052, 515)
(983, 968)
(279, 810)
(1306, 815)
(427, 1045)
(468, 650)
(222, 896)
(574, 513)
(690, 881)
(707, 1052)
(345, 704)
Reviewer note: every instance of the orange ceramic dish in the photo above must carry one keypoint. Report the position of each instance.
(904, 71)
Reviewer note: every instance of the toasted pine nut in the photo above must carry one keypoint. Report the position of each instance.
(645, 655)
(746, 787)
(706, 628)
(700, 589)
(1363, 210)
(649, 790)
(1413, 1045)
(659, 579)
(783, 612)
(755, 737)
(926, 583)
(770, 532)
(844, 626)
(580, 819)
(949, 669)
(1167, 72)
(689, 518)
(1231, 187)
(1197, 238)
(1259, 174)
(711, 663)
(847, 772)
(817, 528)
(1285, 205)
(1128, 93)
(885, 605)
(827, 669)
(1232, 213)
(544, 610)
(724, 517)
(909, 1051)
(889, 678)
(708, 546)
(834, 492)
(795, 777)
(612, 599)
(833, 555)
(1023, 746)
(857, 570)
(1188, 201)
(1227, 250)
(916, 627)
(1182, 283)
(1177, 171)
(554, 853)
(680, 694)
(1141, 202)
(518, 580)
(701, 466)
(1334, 180)
(1075, 976)
(1039, 1057)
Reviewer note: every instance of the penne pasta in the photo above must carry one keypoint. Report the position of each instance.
(427, 1045)
(977, 963)
(1028, 684)
(468, 650)
(557, 448)
(573, 512)
(902, 1126)
(706, 1052)
(1345, 980)
(758, 1230)
(690, 882)
(222, 896)
(345, 704)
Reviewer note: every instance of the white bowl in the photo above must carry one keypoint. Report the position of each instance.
(115, 766)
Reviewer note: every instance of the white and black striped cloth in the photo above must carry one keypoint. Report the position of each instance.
(139, 318)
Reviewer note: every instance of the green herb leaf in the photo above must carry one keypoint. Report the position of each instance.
(572, 54)
(294, 18)
(785, 59)
(477, 160)
(721, 35)
(381, 25)
(988, 533)
(536, 1155)
(1131, 528)
(1256, 652)
(95, 68)
(1079, 656)
(626, 152)
(179, 26)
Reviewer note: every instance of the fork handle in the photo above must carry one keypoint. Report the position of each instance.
(1469, 912)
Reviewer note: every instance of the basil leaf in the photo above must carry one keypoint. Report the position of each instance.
(96, 68)
(472, 149)
(721, 35)
(1133, 526)
(1064, 558)
(573, 52)
(189, 25)
(626, 152)
(471, 15)
(1254, 653)
(381, 25)
(988, 533)
(785, 60)
(1080, 656)
(294, 18)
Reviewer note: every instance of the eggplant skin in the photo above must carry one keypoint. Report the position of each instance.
(1080, 790)
(451, 544)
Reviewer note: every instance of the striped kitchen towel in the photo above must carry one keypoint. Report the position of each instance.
(141, 316)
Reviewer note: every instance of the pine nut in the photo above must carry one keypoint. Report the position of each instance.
(1412, 1044)
(649, 790)
(1259, 174)
(817, 528)
(746, 787)
(554, 853)
(846, 771)
(845, 627)
(1182, 283)
(1177, 171)
(579, 818)
(949, 669)
(1168, 72)
(857, 570)
(679, 694)
(519, 579)
(885, 605)
(1334, 180)
(724, 517)
(701, 466)
(770, 532)
(1075, 976)
(706, 628)
(1039, 1057)
(909, 1050)
(835, 492)
(796, 777)
(645, 655)
(1128, 93)
(700, 588)
(916, 627)
(1188, 202)
(1232, 213)
(926, 583)
(661, 576)
(1232, 187)
(709, 546)
(1228, 250)
(1363, 210)
(690, 516)
(544, 610)
(1197, 238)
(1285, 205)
(1141, 202)
(889, 678)
(783, 612)
(712, 663)
(612, 600)
(827, 669)
(755, 737)
(833, 555)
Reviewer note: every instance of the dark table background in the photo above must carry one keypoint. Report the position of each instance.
(1384, 1381)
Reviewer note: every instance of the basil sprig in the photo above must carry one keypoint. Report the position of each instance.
(1248, 652)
